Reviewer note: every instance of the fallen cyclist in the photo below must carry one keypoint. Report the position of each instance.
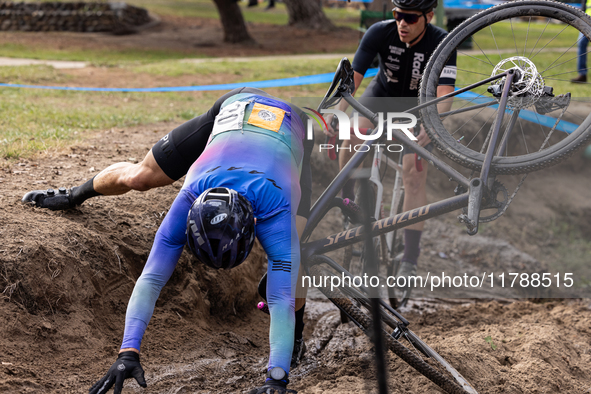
(250, 150)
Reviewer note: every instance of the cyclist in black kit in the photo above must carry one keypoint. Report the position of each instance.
(404, 46)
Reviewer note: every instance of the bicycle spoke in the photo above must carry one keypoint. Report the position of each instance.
(576, 57)
(468, 121)
(549, 67)
(474, 41)
(567, 72)
(514, 39)
(468, 144)
(473, 72)
(526, 35)
(523, 135)
(475, 58)
(548, 43)
(540, 36)
(495, 40)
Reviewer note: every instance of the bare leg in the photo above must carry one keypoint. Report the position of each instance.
(415, 195)
(415, 187)
(119, 178)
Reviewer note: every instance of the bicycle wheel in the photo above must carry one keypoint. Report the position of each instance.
(408, 347)
(354, 257)
(395, 296)
(545, 123)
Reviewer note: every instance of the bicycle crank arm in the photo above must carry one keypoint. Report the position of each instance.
(474, 202)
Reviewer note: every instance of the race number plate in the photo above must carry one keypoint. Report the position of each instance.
(230, 118)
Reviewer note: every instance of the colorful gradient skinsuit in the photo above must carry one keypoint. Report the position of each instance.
(257, 147)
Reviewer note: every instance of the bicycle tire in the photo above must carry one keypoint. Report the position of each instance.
(392, 265)
(358, 268)
(446, 142)
(365, 322)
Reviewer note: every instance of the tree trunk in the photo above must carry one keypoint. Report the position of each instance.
(378, 5)
(307, 14)
(235, 31)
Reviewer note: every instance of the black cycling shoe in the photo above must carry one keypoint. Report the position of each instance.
(50, 199)
(299, 349)
(273, 387)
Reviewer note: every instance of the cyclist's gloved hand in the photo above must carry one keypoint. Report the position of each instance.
(331, 122)
(272, 386)
(126, 366)
(422, 137)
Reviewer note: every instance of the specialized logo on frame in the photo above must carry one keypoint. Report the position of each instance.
(402, 121)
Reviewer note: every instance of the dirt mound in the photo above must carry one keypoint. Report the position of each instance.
(66, 277)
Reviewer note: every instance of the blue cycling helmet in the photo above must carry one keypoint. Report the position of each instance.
(220, 228)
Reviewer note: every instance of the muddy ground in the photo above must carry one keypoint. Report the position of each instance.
(65, 278)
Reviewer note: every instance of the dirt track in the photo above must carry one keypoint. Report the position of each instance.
(65, 279)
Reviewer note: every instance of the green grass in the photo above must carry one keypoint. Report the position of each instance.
(34, 120)
(276, 16)
(97, 57)
(37, 120)
(345, 17)
(519, 35)
(242, 71)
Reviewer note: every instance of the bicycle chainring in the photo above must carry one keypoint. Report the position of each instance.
(500, 205)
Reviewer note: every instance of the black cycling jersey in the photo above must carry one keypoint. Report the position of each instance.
(401, 68)
(178, 150)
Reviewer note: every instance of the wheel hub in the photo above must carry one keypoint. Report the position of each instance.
(528, 84)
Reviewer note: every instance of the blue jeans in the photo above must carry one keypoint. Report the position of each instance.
(582, 55)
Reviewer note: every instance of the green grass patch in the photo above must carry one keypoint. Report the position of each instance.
(346, 17)
(276, 16)
(34, 75)
(36, 120)
(99, 57)
(242, 71)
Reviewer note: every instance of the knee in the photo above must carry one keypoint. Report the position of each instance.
(413, 180)
(140, 178)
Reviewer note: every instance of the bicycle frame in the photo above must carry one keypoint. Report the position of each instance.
(476, 188)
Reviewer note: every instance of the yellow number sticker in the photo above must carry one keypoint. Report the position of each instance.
(266, 117)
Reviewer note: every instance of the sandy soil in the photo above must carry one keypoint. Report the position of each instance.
(65, 278)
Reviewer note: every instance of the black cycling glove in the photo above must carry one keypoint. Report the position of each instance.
(126, 366)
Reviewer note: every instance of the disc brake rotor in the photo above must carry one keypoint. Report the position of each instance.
(527, 88)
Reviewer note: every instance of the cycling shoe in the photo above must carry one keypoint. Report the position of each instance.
(299, 349)
(50, 199)
(407, 270)
(272, 387)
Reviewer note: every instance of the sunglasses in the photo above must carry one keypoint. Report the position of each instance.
(411, 19)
